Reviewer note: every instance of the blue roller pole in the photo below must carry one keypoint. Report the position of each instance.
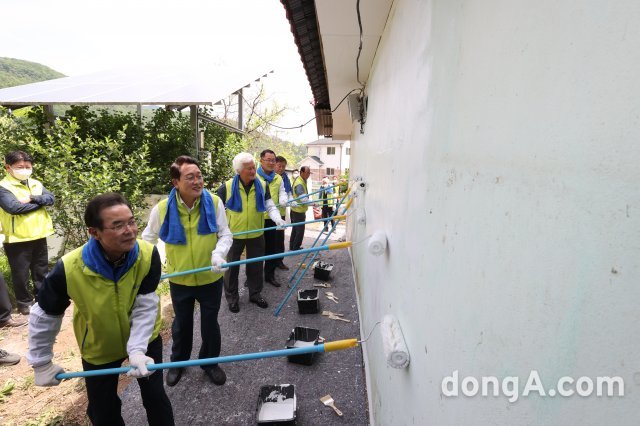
(343, 344)
(293, 287)
(245, 261)
(251, 231)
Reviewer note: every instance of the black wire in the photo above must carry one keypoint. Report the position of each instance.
(360, 47)
(302, 125)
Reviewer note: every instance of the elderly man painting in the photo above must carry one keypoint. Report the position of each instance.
(246, 200)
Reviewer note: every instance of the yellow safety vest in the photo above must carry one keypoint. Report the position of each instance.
(301, 208)
(274, 190)
(249, 218)
(102, 308)
(29, 226)
(197, 252)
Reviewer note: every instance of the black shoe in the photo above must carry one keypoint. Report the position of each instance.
(13, 323)
(273, 281)
(174, 375)
(216, 375)
(260, 302)
(283, 267)
(233, 307)
(24, 310)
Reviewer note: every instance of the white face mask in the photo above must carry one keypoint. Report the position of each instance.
(21, 174)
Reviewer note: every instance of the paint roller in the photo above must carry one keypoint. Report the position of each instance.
(322, 347)
(393, 344)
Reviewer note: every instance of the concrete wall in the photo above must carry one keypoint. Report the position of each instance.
(502, 152)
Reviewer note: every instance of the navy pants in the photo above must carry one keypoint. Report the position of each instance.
(183, 299)
(25, 257)
(104, 406)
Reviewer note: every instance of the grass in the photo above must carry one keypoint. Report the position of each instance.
(6, 390)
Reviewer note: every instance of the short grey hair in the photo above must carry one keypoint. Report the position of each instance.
(240, 160)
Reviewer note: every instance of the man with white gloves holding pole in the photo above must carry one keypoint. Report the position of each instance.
(112, 281)
(193, 226)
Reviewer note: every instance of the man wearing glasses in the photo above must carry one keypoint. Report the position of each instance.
(269, 177)
(112, 280)
(193, 225)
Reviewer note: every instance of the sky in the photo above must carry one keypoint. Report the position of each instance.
(77, 37)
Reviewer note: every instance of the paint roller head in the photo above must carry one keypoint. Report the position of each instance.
(378, 243)
(393, 344)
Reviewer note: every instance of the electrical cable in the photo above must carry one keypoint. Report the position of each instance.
(360, 47)
(302, 125)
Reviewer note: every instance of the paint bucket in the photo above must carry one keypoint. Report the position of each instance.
(322, 270)
(276, 405)
(301, 337)
(308, 301)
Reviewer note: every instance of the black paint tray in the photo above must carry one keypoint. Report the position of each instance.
(276, 405)
(301, 337)
(322, 270)
(308, 301)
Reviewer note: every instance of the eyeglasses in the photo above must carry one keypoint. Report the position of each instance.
(269, 161)
(132, 223)
(192, 178)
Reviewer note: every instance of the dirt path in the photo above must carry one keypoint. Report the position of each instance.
(64, 404)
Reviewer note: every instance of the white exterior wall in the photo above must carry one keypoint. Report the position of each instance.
(502, 152)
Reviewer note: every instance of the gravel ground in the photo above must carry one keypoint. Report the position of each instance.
(197, 401)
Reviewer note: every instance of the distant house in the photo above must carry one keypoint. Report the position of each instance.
(327, 157)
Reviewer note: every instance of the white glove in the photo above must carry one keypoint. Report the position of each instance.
(280, 224)
(45, 375)
(139, 362)
(293, 204)
(216, 262)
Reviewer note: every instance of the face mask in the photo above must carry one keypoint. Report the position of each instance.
(22, 174)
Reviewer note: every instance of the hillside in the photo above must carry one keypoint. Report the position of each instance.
(14, 72)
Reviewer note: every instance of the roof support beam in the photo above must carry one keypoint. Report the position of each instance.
(194, 127)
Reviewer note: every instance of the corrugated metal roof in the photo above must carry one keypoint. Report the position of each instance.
(137, 86)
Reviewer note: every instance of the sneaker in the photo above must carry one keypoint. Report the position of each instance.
(7, 358)
(283, 267)
(13, 323)
(216, 375)
(234, 307)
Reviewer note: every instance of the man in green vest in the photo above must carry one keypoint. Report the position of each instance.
(299, 213)
(25, 225)
(193, 226)
(281, 165)
(112, 281)
(325, 196)
(246, 200)
(269, 177)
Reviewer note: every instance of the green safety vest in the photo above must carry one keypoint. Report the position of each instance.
(249, 218)
(300, 208)
(29, 226)
(102, 308)
(274, 188)
(197, 252)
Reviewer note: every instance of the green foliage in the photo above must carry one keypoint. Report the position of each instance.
(48, 418)
(6, 390)
(75, 168)
(6, 273)
(15, 72)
